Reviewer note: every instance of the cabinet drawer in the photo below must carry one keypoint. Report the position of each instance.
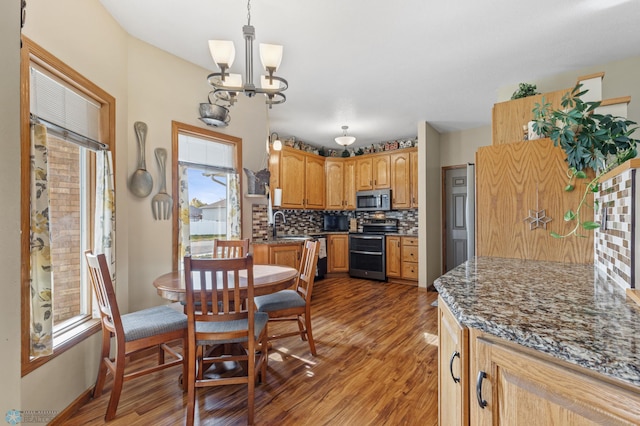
(410, 270)
(409, 253)
(409, 241)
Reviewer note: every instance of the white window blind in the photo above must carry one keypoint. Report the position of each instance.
(206, 154)
(58, 104)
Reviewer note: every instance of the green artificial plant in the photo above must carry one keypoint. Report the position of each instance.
(524, 90)
(590, 141)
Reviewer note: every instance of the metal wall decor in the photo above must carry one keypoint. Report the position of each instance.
(537, 218)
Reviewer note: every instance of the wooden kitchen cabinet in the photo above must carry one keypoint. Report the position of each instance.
(340, 184)
(301, 178)
(410, 258)
(373, 172)
(404, 179)
(413, 157)
(522, 386)
(402, 257)
(400, 180)
(338, 253)
(287, 254)
(394, 256)
(453, 372)
(518, 385)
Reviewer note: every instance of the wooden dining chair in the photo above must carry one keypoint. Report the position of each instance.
(293, 304)
(225, 249)
(223, 322)
(133, 332)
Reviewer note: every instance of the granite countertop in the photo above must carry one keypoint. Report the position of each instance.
(568, 311)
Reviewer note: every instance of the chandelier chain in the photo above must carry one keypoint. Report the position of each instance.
(249, 12)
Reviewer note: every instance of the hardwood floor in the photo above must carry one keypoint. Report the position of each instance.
(376, 365)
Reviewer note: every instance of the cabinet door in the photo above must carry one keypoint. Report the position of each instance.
(338, 253)
(285, 254)
(314, 182)
(381, 168)
(522, 387)
(413, 157)
(394, 259)
(400, 180)
(335, 184)
(292, 172)
(364, 179)
(453, 377)
(349, 180)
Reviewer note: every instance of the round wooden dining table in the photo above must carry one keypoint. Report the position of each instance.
(266, 279)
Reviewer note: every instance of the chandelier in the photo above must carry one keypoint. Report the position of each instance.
(345, 140)
(226, 86)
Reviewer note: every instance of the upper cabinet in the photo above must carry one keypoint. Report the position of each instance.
(373, 172)
(301, 177)
(309, 181)
(340, 182)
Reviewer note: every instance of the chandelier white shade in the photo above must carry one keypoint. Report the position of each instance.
(345, 140)
(223, 53)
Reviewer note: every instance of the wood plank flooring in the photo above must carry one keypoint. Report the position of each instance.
(376, 365)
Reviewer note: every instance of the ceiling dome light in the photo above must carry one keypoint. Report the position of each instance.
(345, 140)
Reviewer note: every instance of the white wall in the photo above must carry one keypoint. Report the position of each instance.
(459, 148)
(429, 200)
(10, 213)
(162, 88)
(621, 79)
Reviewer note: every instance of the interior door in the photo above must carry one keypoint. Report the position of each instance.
(456, 217)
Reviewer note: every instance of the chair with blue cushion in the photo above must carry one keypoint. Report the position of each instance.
(217, 292)
(133, 332)
(293, 304)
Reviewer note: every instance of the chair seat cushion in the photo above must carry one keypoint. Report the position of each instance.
(151, 322)
(260, 321)
(284, 299)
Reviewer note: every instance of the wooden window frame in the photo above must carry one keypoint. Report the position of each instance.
(33, 53)
(178, 128)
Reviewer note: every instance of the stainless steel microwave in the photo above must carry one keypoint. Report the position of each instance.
(376, 200)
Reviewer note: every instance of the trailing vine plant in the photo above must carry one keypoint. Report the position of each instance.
(590, 141)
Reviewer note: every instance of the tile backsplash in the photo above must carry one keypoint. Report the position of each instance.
(614, 242)
(302, 222)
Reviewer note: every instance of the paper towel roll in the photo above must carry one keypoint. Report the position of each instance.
(277, 196)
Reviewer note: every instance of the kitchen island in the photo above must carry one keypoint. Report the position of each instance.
(525, 325)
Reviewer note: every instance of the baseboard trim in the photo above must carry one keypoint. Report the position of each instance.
(66, 414)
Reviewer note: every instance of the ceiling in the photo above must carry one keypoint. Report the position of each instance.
(381, 67)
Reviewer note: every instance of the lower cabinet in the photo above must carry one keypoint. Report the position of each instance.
(453, 372)
(402, 257)
(338, 253)
(503, 383)
(517, 386)
(287, 254)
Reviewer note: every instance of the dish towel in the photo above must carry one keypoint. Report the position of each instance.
(322, 253)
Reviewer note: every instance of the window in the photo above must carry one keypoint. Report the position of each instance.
(65, 121)
(207, 190)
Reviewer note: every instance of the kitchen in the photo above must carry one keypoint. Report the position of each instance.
(142, 240)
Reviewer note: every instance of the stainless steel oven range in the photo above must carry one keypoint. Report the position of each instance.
(367, 254)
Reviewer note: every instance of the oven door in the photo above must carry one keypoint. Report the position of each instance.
(367, 256)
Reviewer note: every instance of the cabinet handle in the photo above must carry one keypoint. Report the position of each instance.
(453, 356)
(481, 402)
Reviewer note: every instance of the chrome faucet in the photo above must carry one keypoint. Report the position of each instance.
(275, 229)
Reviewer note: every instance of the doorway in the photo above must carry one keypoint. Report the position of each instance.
(458, 212)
